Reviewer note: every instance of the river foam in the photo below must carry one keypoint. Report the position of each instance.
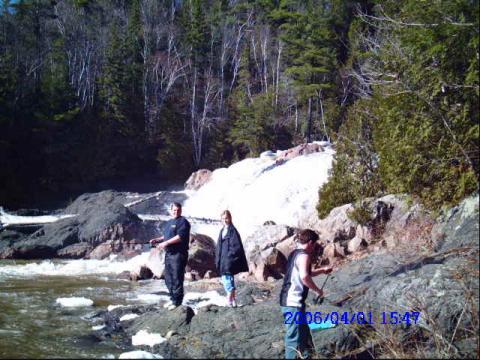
(74, 302)
(73, 267)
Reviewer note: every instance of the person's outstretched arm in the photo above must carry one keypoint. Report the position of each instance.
(156, 240)
(321, 270)
(173, 240)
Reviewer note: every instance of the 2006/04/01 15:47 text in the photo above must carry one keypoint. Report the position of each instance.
(361, 318)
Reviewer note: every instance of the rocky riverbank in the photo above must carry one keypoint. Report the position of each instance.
(399, 260)
(436, 277)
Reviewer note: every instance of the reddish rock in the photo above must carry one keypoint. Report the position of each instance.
(269, 262)
(265, 237)
(201, 255)
(101, 251)
(333, 250)
(302, 149)
(198, 179)
(75, 251)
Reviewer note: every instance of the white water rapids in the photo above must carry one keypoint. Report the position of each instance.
(254, 190)
(47, 305)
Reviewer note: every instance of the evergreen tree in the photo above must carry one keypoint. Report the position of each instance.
(354, 175)
(253, 115)
(310, 54)
(113, 92)
(428, 130)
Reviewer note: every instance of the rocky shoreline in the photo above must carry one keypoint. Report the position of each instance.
(400, 262)
(436, 285)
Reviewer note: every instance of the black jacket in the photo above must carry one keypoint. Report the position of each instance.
(181, 227)
(230, 257)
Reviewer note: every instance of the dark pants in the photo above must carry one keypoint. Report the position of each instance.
(174, 274)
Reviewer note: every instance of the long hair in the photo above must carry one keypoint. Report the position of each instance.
(227, 214)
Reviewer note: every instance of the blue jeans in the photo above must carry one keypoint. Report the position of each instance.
(296, 335)
(228, 283)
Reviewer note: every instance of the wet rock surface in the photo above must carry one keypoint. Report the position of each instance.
(102, 226)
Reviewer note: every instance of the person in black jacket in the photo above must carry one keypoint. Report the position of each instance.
(230, 257)
(175, 241)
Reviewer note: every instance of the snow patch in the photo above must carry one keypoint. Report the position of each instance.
(143, 337)
(128, 317)
(74, 302)
(139, 354)
(197, 300)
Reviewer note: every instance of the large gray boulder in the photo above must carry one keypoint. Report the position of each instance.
(100, 221)
(442, 285)
(391, 222)
(264, 259)
(252, 331)
(265, 236)
(201, 255)
(162, 321)
(458, 227)
(266, 263)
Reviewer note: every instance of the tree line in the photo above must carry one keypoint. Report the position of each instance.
(100, 89)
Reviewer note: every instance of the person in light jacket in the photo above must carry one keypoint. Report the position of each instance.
(230, 257)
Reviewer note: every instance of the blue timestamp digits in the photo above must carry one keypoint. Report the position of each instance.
(346, 317)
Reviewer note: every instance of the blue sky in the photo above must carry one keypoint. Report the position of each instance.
(11, 2)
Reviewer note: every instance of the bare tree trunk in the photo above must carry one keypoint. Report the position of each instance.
(309, 120)
(227, 40)
(322, 114)
(264, 34)
(237, 53)
(277, 77)
(163, 64)
(296, 117)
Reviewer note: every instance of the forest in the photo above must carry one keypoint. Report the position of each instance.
(108, 91)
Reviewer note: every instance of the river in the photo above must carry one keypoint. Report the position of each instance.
(34, 325)
(36, 320)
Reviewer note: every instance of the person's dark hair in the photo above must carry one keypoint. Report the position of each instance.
(177, 205)
(305, 236)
